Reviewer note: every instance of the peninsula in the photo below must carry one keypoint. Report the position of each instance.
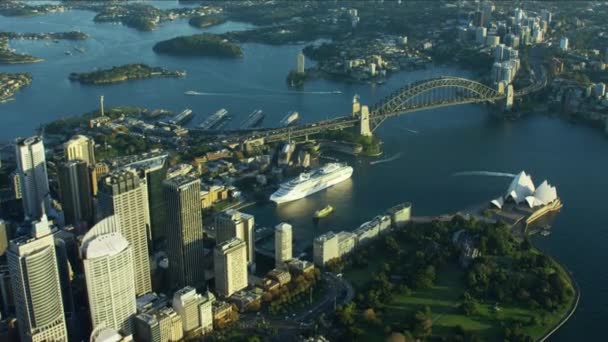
(207, 21)
(123, 73)
(9, 56)
(11, 83)
(204, 44)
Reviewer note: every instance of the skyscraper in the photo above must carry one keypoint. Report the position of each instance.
(80, 148)
(36, 287)
(234, 224)
(282, 244)
(300, 66)
(31, 167)
(124, 194)
(76, 193)
(185, 231)
(108, 268)
(230, 266)
(155, 171)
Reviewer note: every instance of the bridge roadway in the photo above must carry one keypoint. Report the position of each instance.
(422, 95)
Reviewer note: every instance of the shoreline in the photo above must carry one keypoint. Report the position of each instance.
(577, 292)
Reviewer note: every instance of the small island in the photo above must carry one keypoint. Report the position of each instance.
(123, 73)
(207, 21)
(204, 44)
(11, 83)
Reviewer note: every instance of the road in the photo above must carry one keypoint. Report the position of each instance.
(338, 292)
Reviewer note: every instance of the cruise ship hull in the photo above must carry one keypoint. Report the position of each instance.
(292, 196)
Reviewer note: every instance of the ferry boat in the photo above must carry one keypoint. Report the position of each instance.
(254, 119)
(214, 119)
(182, 117)
(290, 118)
(308, 183)
(321, 213)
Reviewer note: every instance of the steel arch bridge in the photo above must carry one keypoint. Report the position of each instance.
(421, 95)
(432, 93)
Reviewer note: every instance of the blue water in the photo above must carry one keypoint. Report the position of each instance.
(434, 145)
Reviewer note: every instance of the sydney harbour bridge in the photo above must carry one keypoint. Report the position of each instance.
(421, 95)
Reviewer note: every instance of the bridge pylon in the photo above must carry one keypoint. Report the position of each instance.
(356, 106)
(364, 125)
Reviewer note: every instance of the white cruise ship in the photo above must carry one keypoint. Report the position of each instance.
(308, 183)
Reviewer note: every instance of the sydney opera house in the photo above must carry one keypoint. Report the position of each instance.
(524, 201)
(523, 191)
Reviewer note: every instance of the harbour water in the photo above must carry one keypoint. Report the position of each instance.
(448, 158)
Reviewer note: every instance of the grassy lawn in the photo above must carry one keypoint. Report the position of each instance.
(444, 299)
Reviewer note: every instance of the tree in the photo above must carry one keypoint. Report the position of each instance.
(423, 322)
(346, 314)
(369, 315)
(469, 305)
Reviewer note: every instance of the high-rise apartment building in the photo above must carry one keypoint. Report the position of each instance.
(195, 310)
(325, 248)
(108, 268)
(234, 224)
(36, 286)
(31, 167)
(80, 147)
(230, 266)
(123, 194)
(76, 192)
(282, 244)
(159, 325)
(185, 231)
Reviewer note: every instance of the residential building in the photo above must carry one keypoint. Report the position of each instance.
(230, 266)
(195, 310)
(280, 275)
(346, 242)
(159, 325)
(31, 167)
(400, 214)
(234, 224)
(108, 269)
(185, 228)
(123, 194)
(36, 286)
(282, 244)
(325, 248)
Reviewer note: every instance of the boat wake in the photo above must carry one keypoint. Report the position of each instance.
(316, 92)
(268, 93)
(410, 130)
(201, 93)
(483, 173)
(387, 160)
